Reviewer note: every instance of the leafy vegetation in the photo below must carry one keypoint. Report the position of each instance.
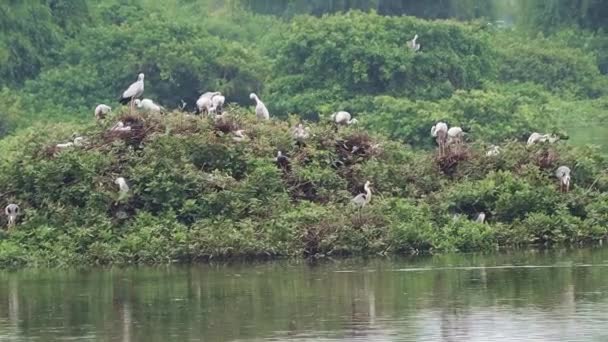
(197, 194)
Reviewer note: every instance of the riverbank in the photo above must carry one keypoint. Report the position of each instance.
(197, 192)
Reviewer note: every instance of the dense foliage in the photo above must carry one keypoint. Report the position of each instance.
(198, 194)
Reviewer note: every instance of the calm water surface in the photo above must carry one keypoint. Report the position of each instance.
(519, 296)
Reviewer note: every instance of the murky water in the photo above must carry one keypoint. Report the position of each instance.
(519, 296)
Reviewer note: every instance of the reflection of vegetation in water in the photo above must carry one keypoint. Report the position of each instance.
(340, 300)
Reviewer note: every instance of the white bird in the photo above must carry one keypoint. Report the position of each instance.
(205, 102)
(361, 200)
(538, 138)
(480, 217)
(64, 145)
(120, 127)
(412, 45)
(122, 186)
(440, 132)
(493, 151)
(343, 118)
(217, 104)
(134, 91)
(101, 111)
(261, 112)
(79, 141)
(12, 211)
(239, 135)
(300, 134)
(455, 137)
(149, 106)
(563, 174)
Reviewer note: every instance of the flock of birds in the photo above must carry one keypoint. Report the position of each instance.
(449, 140)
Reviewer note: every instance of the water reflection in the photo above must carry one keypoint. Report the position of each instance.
(529, 296)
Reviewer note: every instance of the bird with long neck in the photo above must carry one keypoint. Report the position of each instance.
(12, 211)
(440, 132)
(413, 45)
(363, 199)
(134, 91)
(261, 112)
(563, 174)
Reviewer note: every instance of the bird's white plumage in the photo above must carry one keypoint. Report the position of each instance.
(148, 106)
(539, 138)
(136, 89)
(493, 151)
(122, 185)
(217, 103)
(12, 211)
(563, 174)
(343, 118)
(101, 111)
(363, 199)
(205, 101)
(481, 217)
(261, 112)
(239, 135)
(64, 145)
(300, 133)
(120, 127)
(455, 135)
(439, 127)
(413, 45)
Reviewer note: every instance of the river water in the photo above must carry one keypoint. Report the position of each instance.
(559, 295)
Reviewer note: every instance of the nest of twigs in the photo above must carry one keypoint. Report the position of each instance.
(449, 161)
(546, 158)
(355, 147)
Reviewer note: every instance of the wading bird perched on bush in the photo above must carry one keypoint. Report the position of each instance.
(537, 137)
(134, 91)
(217, 104)
(493, 151)
(412, 45)
(205, 102)
(300, 134)
(12, 211)
(455, 137)
(149, 106)
(101, 111)
(283, 162)
(361, 200)
(261, 112)
(122, 187)
(563, 174)
(343, 118)
(440, 132)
